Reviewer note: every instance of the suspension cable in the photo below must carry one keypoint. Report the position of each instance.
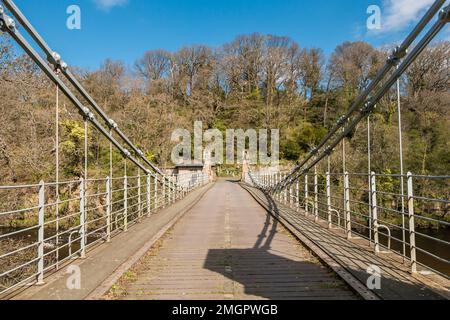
(55, 59)
(368, 106)
(7, 24)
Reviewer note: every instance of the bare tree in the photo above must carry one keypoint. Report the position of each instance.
(154, 65)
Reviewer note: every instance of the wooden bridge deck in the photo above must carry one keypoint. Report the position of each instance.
(355, 256)
(228, 247)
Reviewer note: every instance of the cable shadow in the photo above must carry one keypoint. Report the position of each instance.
(395, 284)
(274, 276)
(261, 273)
(266, 275)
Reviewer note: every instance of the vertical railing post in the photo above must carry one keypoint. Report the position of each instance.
(188, 184)
(167, 193)
(373, 187)
(139, 195)
(412, 226)
(280, 190)
(82, 218)
(275, 194)
(277, 189)
(177, 188)
(277, 181)
(108, 209)
(125, 203)
(316, 196)
(291, 194)
(285, 193)
(330, 218)
(41, 221)
(171, 189)
(180, 189)
(306, 195)
(156, 193)
(270, 180)
(348, 218)
(174, 189)
(149, 194)
(164, 192)
(182, 183)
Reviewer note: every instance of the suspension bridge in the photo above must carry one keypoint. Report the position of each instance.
(312, 232)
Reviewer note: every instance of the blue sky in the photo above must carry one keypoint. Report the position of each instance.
(125, 29)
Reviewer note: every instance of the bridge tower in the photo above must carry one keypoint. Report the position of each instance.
(207, 165)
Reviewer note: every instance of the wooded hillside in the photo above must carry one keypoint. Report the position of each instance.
(256, 81)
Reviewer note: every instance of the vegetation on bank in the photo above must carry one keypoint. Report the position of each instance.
(256, 81)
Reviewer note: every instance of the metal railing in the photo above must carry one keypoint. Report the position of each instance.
(44, 225)
(374, 211)
(40, 231)
(375, 206)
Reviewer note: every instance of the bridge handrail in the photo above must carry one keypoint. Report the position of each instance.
(103, 207)
(370, 202)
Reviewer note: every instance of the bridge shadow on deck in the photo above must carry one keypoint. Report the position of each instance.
(267, 275)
